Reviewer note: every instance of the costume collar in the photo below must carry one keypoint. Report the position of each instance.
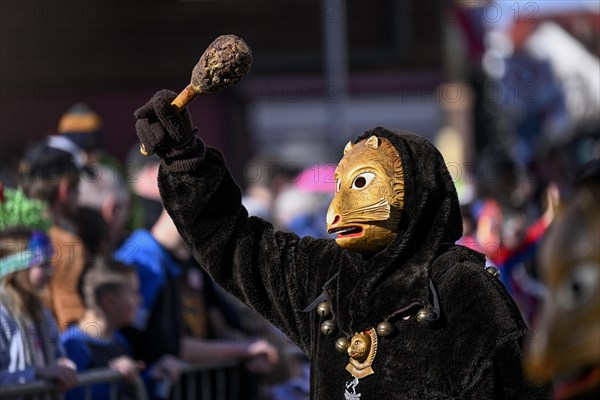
(356, 308)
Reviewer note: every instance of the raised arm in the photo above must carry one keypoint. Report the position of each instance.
(275, 273)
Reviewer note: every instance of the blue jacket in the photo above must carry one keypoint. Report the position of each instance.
(157, 328)
(88, 352)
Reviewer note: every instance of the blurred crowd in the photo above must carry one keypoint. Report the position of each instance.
(113, 279)
(534, 70)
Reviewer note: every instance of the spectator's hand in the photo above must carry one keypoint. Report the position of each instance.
(66, 362)
(126, 366)
(261, 356)
(258, 364)
(160, 127)
(552, 202)
(167, 367)
(64, 376)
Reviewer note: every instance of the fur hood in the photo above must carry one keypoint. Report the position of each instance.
(396, 279)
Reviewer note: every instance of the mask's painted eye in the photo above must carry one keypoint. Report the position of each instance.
(579, 286)
(338, 185)
(362, 180)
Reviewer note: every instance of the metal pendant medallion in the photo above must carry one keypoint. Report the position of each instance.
(362, 352)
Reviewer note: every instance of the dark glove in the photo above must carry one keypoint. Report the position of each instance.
(160, 127)
(166, 132)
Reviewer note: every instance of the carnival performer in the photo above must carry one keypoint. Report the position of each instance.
(391, 308)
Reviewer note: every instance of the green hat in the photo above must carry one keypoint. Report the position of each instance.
(16, 210)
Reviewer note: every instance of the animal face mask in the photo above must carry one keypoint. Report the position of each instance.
(566, 344)
(365, 212)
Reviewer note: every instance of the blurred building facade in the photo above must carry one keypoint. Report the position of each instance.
(115, 54)
(407, 62)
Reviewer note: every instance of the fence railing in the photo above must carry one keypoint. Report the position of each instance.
(216, 380)
(208, 381)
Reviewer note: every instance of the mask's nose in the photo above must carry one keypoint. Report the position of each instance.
(333, 218)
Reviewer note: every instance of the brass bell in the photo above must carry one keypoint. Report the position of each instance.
(385, 329)
(342, 345)
(425, 315)
(494, 271)
(324, 310)
(328, 327)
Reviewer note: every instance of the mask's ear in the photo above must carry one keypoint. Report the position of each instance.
(348, 147)
(373, 142)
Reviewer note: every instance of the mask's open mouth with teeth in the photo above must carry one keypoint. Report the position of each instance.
(347, 231)
(578, 383)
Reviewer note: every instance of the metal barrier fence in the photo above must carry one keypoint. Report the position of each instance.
(218, 381)
(206, 381)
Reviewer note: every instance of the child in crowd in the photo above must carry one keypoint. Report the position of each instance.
(110, 294)
(158, 256)
(29, 346)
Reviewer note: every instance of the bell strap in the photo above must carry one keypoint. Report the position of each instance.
(322, 297)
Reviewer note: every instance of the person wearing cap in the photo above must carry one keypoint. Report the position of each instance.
(29, 348)
(81, 126)
(52, 175)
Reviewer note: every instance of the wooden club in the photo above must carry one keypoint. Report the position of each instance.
(225, 61)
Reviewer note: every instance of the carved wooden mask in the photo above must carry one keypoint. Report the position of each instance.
(365, 212)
